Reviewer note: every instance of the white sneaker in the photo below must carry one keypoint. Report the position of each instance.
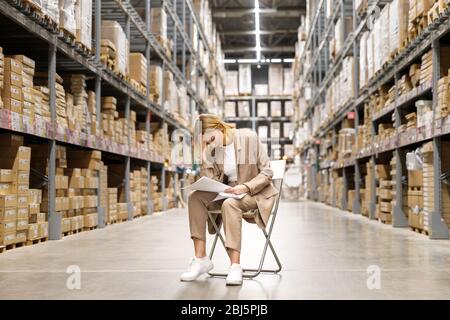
(234, 277)
(197, 267)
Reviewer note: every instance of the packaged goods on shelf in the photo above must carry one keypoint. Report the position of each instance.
(363, 70)
(244, 108)
(159, 23)
(245, 79)
(276, 79)
(51, 9)
(262, 132)
(83, 18)
(288, 109)
(288, 79)
(112, 205)
(443, 105)
(275, 108)
(262, 109)
(170, 92)
(275, 128)
(398, 24)
(341, 31)
(156, 81)
(230, 109)
(287, 129)
(261, 90)
(112, 31)
(138, 68)
(289, 151)
(346, 142)
(232, 83)
(426, 68)
(67, 16)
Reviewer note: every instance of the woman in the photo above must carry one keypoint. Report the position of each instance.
(237, 158)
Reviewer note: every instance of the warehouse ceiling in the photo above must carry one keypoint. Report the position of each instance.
(279, 20)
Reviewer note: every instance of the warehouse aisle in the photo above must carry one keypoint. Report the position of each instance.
(325, 253)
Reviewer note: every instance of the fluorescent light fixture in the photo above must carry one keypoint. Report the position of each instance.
(257, 31)
(276, 60)
(288, 60)
(248, 61)
(229, 60)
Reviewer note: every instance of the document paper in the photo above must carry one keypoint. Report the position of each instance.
(210, 185)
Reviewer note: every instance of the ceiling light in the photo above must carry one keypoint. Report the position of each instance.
(276, 60)
(290, 60)
(229, 60)
(248, 61)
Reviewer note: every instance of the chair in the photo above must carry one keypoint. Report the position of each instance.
(278, 168)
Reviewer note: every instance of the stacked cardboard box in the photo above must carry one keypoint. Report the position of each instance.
(170, 92)
(155, 194)
(368, 188)
(426, 68)
(37, 221)
(346, 142)
(67, 17)
(14, 189)
(122, 211)
(159, 25)
(156, 81)
(83, 21)
(42, 103)
(112, 205)
(135, 192)
(12, 85)
(276, 79)
(108, 54)
(28, 99)
(232, 80)
(144, 191)
(104, 192)
(384, 193)
(138, 68)
(443, 105)
(83, 116)
(245, 80)
(112, 31)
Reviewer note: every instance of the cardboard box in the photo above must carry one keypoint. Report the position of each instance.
(22, 189)
(21, 235)
(90, 220)
(231, 79)
(6, 188)
(6, 175)
(9, 238)
(8, 226)
(33, 231)
(43, 230)
(91, 183)
(275, 108)
(8, 201)
(12, 104)
(22, 177)
(12, 65)
(66, 225)
(415, 178)
(112, 31)
(13, 79)
(261, 89)
(76, 182)
(11, 92)
(276, 79)
(22, 213)
(34, 208)
(22, 224)
(230, 109)
(24, 61)
(22, 201)
(244, 109)
(35, 196)
(245, 79)
(61, 182)
(8, 214)
(262, 109)
(138, 68)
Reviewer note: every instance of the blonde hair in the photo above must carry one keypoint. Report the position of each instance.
(213, 122)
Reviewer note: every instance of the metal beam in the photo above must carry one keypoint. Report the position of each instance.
(264, 49)
(253, 32)
(272, 13)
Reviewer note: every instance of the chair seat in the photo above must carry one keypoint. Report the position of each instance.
(247, 214)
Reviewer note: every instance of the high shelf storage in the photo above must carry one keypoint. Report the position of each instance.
(375, 97)
(190, 62)
(250, 102)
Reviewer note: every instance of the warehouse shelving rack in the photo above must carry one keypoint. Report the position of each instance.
(429, 39)
(253, 121)
(52, 52)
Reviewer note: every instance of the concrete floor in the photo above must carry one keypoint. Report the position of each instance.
(325, 254)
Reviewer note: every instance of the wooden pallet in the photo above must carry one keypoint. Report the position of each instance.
(36, 241)
(67, 37)
(2, 249)
(414, 188)
(89, 228)
(81, 48)
(385, 217)
(15, 245)
(420, 231)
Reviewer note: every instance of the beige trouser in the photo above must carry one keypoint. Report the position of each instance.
(232, 210)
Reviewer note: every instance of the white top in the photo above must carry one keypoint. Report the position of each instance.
(229, 163)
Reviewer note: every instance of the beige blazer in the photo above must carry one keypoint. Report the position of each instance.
(252, 170)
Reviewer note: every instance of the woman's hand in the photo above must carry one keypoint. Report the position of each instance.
(239, 189)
